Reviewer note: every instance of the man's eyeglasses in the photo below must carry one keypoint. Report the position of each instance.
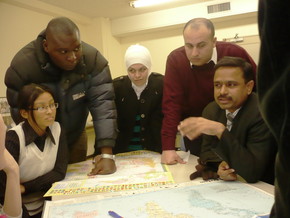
(45, 108)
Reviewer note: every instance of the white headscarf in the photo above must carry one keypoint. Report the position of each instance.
(138, 54)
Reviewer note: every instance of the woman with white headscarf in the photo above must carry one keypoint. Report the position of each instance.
(138, 102)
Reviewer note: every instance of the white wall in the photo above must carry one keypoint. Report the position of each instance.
(18, 26)
(173, 17)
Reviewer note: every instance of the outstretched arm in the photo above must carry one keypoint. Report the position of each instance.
(12, 201)
(193, 127)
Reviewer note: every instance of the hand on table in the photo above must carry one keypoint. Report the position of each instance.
(103, 166)
(204, 171)
(171, 157)
(226, 173)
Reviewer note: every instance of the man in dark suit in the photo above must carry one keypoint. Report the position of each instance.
(236, 140)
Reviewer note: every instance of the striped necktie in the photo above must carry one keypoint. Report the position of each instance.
(230, 119)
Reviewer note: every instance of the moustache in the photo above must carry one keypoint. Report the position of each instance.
(224, 97)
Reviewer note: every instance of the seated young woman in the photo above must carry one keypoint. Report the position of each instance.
(38, 146)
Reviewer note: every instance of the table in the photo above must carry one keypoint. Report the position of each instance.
(181, 172)
(91, 203)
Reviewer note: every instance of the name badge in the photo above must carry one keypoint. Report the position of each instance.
(78, 95)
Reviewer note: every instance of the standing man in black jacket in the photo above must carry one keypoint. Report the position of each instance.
(80, 78)
(138, 101)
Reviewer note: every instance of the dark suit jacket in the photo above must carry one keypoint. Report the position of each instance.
(249, 147)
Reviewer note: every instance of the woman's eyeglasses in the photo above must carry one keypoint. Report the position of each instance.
(45, 108)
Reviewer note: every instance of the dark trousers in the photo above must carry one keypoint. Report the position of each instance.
(78, 150)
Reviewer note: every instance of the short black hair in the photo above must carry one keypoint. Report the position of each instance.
(246, 67)
(61, 25)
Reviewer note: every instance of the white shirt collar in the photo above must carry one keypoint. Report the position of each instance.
(139, 89)
(234, 113)
(214, 56)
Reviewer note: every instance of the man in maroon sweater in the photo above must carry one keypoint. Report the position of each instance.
(188, 82)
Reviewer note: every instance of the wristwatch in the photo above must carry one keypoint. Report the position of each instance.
(108, 156)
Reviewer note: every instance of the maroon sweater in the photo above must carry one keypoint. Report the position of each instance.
(188, 90)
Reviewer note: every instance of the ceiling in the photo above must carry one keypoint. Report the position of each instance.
(113, 9)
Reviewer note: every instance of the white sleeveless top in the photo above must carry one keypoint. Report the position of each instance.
(34, 163)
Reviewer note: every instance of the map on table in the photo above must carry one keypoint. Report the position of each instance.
(218, 199)
(135, 170)
(129, 163)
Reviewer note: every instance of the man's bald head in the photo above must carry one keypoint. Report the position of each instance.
(61, 26)
(196, 23)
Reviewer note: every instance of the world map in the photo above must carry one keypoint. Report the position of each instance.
(211, 199)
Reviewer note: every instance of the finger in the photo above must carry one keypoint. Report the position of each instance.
(226, 167)
(102, 172)
(181, 161)
(230, 177)
(233, 176)
(223, 166)
(227, 174)
(105, 172)
(224, 172)
(172, 162)
(229, 171)
(94, 171)
(181, 133)
(168, 161)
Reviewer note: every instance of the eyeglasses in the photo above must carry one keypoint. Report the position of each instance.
(140, 70)
(45, 108)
